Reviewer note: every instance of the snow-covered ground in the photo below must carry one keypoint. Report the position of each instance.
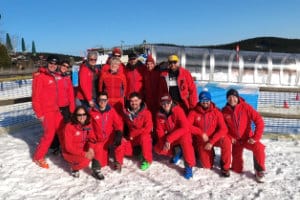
(20, 178)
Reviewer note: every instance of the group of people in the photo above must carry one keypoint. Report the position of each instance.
(120, 107)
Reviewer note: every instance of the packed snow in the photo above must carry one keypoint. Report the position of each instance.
(20, 178)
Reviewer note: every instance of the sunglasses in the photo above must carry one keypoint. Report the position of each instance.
(172, 62)
(52, 63)
(67, 66)
(119, 56)
(165, 103)
(81, 114)
(102, 100)
(92, 59)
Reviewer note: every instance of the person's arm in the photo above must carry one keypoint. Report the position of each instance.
(259, 123)
(37, 89)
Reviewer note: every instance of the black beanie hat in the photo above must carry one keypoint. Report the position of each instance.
(232, 92)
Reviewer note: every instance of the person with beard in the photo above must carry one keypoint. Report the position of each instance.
(209, 130)
(139, 122)
(44, 103)
(178, 82)
(174, 136)
(88, 81)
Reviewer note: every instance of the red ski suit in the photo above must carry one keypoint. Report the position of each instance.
(140, 126)
(115, 85)
(151, 88)
(210, 122)
(104, 125)
(65, 92)
(135, 80)
(86, 83)
(77, 139)
(175, 129)
(238, 120)
(186, 85)
(45, 106)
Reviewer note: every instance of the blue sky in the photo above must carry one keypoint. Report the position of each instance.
(71, 27)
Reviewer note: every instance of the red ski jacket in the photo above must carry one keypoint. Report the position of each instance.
(44, 92)
(138, 123)
(208, 121)
(86, 78)
(239, 119)
(173, 125)
(186, 85)
(104, 123)
(77, 139)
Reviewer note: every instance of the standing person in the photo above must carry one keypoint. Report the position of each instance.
(66, 98)
(114, 83)
(173, 130)
(134, 72)
(116, 53)
(45, 106)
(239, 116)
(79, 142)
(108, 126)
(139, 121)
(209, 130)
(88, 81)
(178, 82)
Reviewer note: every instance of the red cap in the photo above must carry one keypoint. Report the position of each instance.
(150, 59)
(166, 97)
(116, 51)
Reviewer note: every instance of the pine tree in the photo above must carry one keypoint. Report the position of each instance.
(5, 61)
(33, 50)
(8, 43)
(23, 45)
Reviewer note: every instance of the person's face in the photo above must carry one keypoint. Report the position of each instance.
(232, 100)
(92, 60)
(52, 66)
(205, 104)
(114, 66)
(81, 116)
(173, 65)
(102, 101)
(64, 67)
(166, 105)
(133, 61)
(135, 103)
(150, 66)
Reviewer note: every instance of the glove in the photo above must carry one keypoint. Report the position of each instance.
(118, 138)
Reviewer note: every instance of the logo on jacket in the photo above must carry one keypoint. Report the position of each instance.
(198, 118)
(97, 117)
(50, 82)
(77, 133)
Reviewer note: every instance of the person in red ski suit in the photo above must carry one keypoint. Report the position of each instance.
(179, 83)
(66, 99)
(209, 130)
(114, 83)
(173, 132)
(45, 105)
(238, 116)
(139, 122)
(108, 126)
(134, 72)
(88, 81)
(79, 142)
(116, 53)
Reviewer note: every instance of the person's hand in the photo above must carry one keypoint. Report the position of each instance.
(233, 141)
(167, 146)
(41, 119)
(205, 137)
(208, 146)
(251, 141)
(90, 154)
(91, 104)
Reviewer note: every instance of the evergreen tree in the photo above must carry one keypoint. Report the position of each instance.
(33, 50)
(5, 61)
(23, 45)
(8, 43)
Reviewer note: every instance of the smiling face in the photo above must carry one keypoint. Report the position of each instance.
(166, 105)
(102, 101)
(81, 116)
(135, 103)
(232, 100)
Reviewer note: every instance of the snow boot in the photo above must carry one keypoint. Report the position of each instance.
(188, 172)
(75, 173)
(117, 167)
(260, 176)
(97, 174)
(177, 156)
(225, 173)
(42, 163)
(145, 165)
